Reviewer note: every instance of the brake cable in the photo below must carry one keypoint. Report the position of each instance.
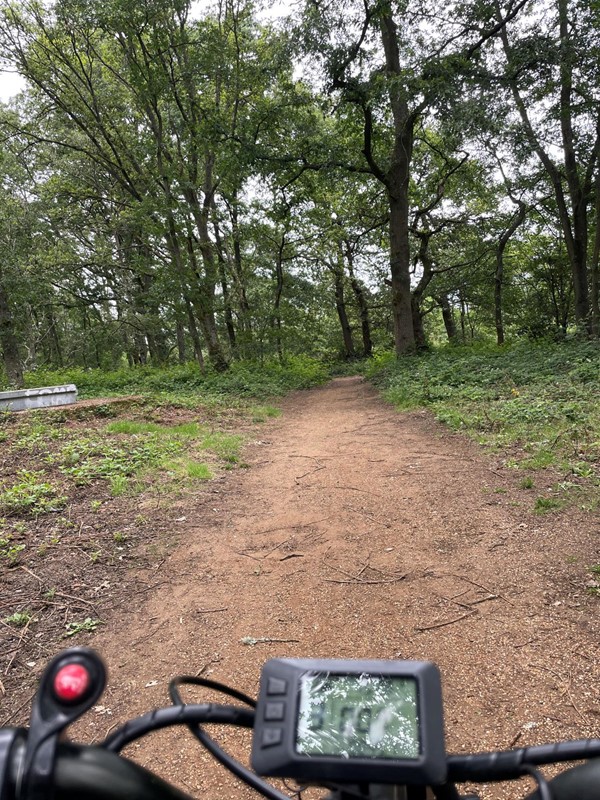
(230, 763)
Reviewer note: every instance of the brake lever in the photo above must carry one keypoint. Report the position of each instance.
(71, 684)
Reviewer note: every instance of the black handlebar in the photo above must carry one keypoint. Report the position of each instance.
(92, 773)
(36, 765)
(508, 764)
(578, 783)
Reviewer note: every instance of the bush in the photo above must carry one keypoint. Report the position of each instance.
(244, 379)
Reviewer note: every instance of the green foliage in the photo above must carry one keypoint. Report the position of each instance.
(541, 397)
(19, 619)
(10, 552)
(87, 625)
(225, 445)
(85, 460)
(31, 495)
(545, 504)
(243, 380)
(262, 413)
(198, 471)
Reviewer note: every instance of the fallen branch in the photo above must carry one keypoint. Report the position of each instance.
(448, 622)
(310, 472)
(79, 600)
(251, 641)
(481, 586)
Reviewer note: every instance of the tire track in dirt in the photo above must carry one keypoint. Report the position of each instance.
(361, 532)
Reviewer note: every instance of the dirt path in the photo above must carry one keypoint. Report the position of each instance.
(361, 532)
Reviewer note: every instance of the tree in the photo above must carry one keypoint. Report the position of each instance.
(550, 74)
(419, 72)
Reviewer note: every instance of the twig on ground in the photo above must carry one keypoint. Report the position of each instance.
(251, 640)
(150, 634)
(357, 579)
(277, 546)
(8, 719)
(293, 527)
(148, 588)
(310, 472)
(448, 622)
(241, 553)
(211, 610)
(484, 599)
(481, 586)
(33, 575)
(78, 600)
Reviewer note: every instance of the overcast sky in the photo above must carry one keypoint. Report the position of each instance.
(10, 84)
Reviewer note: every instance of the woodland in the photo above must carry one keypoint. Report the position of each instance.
(183, 182)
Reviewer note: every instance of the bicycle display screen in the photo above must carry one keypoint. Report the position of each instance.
(350, 721)
(358, 715)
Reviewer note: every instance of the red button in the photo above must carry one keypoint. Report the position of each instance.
(71, 683)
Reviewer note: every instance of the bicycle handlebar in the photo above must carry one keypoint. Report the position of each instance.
(93, 773)
(35, 765)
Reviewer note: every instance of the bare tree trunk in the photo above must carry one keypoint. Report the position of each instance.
(595, 266)
(448, 317)
(223, 263)
(340, 306)
(278, 296)
(361, 302)
(180, 342)
(499, 272)
(397, 182)
(194, 334)
(9, 341)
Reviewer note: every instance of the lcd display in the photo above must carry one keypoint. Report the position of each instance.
(351, 716)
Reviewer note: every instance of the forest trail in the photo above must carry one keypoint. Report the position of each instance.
(362, 532)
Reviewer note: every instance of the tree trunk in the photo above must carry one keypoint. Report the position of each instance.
(223, 262)
(404, 337)
(194, 334)
(448, 317)
(9, 342)
(499, 272)
(180, 342)
(417, 324)
(239, 278)
(595, 266)
(361, 302)
(278, 296)
(396, 180)
(340, 306)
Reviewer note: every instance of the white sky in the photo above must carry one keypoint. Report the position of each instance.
(10, 84)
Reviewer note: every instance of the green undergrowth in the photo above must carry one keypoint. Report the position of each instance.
(243, 383)
(126, 456)
(536, 403)
(127, 448)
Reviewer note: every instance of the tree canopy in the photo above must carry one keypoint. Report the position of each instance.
(183, 183)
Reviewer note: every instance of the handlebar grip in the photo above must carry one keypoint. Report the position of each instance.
(578, 783)
(97, 774)
(93, 773)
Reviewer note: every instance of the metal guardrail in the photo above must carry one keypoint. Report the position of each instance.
(44, 397)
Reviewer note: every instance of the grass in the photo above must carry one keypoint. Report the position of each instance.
(31, 495)
(534, 402)
(126, 455)
(243, 382)
(198, 471)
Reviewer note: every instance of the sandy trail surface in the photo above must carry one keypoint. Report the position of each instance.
(361, 532)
